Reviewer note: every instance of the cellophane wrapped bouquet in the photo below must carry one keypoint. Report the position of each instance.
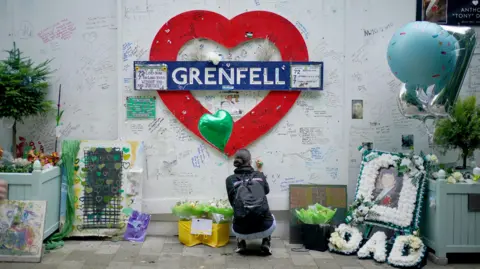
(218, 210)
(315, 214)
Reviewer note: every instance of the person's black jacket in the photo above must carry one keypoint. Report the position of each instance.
(247, 227)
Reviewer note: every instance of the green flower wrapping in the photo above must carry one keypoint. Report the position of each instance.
(219, 211)
(316, 214)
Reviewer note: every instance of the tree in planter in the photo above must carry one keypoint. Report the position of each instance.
(23, 89)
(461, 130)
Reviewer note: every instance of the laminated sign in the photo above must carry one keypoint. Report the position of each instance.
(201, 226)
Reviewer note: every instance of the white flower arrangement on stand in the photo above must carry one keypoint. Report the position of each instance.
(345, 240)
(411, 170)
(375, 247)
(407, 251)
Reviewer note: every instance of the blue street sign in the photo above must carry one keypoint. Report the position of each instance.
(204, 75)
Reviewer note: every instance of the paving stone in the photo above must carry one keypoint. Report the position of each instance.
(80, 255)
(280, 253)
(195, 251)
(173, 248)
(371, 264)
(99, 260)
(71, 265)
(344, 260)
(277, 243)
(352, 267)
(108, 249)
(320, 255)
(215, 259)
(126, 254)
(53, 257)
(92, 267)
(119, 265)
(90, 245)
(303, 260)
(146, 260)
(154, 242)
(327, 264)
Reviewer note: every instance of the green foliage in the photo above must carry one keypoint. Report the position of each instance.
(461, 130)
(23, 87)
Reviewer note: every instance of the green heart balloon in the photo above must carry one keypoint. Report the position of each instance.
(216, 128)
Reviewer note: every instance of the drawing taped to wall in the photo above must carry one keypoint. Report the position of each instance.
(101, 197)
(21, 230)
(103, 194)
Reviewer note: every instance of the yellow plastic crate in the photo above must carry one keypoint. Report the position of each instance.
(219, 238)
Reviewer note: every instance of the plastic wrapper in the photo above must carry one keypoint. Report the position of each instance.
(137, 227)
(315, 214)
(219, 211)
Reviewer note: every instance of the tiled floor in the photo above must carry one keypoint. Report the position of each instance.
(168, 253)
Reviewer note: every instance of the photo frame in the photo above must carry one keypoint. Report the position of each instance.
(392, 187)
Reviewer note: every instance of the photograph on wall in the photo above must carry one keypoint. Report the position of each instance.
(407, 141)
(449, 12)
(357, 109)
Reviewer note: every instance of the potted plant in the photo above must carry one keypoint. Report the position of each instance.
(23, 91)
(461, 130)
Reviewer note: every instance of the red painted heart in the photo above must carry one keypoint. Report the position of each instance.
(230, 33)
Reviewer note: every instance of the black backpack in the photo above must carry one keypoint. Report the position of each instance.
(250, 199)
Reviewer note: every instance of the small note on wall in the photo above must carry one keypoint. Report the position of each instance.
(201, 226)
(306, 76)
(141, 107)
(150, 77)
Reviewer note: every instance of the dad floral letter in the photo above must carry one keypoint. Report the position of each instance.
(376, 246)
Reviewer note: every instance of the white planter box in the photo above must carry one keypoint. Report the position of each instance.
(448, 226)
(40, 186)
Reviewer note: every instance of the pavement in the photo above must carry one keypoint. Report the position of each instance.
(168, 253)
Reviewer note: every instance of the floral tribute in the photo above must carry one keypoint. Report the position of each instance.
(390, 189)
(345, 240)
(407, 251)
(389, 194)
(24, 164)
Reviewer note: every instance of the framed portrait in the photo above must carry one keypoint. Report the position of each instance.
(393, 185)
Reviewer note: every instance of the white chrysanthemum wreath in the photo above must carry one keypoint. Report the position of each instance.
(407, 251)
(375, 247)
(345, 240)
(410, 169)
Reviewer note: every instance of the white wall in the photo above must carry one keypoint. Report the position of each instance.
(86, 45)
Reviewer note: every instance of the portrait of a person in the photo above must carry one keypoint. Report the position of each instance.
(387, 188)
(357, 109)
(435, 11)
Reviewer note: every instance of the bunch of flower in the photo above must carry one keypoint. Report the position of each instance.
(360, 210)
(455, 177)
(413, 242)
(346, 239)
(218, 210)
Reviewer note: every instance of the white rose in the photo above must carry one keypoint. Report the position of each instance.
(415, 244)
(457, 176)
(405, 162)
(451, 180)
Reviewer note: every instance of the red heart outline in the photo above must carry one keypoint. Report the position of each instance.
(230, 33)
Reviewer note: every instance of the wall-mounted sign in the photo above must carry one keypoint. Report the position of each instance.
(453, 12)
(203, 75)
(141, 107)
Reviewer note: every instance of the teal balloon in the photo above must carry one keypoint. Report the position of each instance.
(216, 128)
(422, 54)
